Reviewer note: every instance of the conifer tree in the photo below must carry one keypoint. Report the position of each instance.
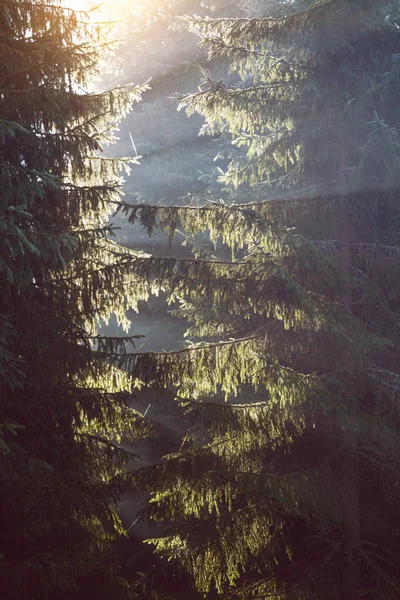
(63, 406)
(289, 486)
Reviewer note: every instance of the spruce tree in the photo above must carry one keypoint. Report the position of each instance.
(63, 406)
(289, 485)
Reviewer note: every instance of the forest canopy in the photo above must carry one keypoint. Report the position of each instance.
(284, 483)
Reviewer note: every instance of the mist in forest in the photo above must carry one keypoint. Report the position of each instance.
(213, 369)
(175, 162)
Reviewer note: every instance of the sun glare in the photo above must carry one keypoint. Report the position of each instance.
(89, 5)
(76, 4)
(108, 10)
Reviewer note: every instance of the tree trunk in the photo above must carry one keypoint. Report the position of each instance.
(351, 576)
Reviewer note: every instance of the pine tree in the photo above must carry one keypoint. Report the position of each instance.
(63, 405)
(289, 485)
(175, 161)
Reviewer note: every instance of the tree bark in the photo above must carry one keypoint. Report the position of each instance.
(351, 576)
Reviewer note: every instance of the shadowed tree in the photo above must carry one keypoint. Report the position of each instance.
(63, 407)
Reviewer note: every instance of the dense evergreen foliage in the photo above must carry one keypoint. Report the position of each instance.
(286, 484)
(176, 163)
(289, 486)
(63, 407)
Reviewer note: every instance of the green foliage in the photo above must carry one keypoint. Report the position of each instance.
(63, 405)
(286, 485)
